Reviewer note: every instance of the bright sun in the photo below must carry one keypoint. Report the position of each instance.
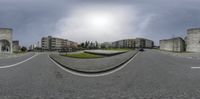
(99, 21)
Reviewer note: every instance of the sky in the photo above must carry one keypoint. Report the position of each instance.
(98, 20)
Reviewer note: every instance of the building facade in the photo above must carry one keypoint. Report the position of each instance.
(133, 43)
(174, 44)
(6, 40)
(57, 44)
(193, 40)
(149, 43)
(106, 45)
(32, 47)
(16, 46)
(125, 43)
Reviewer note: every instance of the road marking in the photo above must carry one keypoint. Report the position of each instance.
(93, 75)
(195, 67)
(2, 67)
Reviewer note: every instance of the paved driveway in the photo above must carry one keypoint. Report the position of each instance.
(15, 59)
(150, 75)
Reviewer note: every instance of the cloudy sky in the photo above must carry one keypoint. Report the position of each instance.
(101, 20)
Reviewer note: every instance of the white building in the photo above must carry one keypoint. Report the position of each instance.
(133, 43)
(193, 40)
(174, 44)
(32, 47)
(6, 40)
(52, 44)
(106, 45)
(16, 46)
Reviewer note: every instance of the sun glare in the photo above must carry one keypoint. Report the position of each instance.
(99, 20)
(97, 23)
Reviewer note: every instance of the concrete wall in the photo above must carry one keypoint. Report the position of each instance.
(6, 35)
(193, 40)
(174, 44)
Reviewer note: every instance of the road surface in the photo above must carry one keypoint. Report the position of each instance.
(150, 75)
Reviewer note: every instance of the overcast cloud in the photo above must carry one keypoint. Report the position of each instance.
(152, 19)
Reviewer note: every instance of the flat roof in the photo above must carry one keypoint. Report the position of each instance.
(6, 28)
(171, 39)
(193, 29)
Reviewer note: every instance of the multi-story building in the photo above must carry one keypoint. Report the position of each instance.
(6, 40)
(16, 46)
(106, 45)
(133, 43)
(32, 47)
(143, 43)
(139, 43)
(45, 43)
(52, 43)
(130, 43)
(149, 43)
(126, 43)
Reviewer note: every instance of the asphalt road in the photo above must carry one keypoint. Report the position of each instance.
(150, 75)
(13, 60)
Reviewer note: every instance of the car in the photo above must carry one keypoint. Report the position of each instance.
(141, 49)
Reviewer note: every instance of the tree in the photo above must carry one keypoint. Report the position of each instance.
(86, 44)
(82, 45)
(23, 49)
(96, 45)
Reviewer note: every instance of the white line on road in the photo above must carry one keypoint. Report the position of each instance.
(195, 67)
(2, 67)
(94, 75)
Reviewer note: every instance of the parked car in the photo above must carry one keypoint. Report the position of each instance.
(141, 49)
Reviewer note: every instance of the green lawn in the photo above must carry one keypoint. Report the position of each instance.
(83, 55)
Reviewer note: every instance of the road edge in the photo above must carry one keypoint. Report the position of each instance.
(13, 65)
(94, 74)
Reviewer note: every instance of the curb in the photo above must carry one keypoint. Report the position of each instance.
(95, 72)
(104, 54)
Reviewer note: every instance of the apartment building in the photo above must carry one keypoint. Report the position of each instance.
(57, 44)
(133, 43)
(16, 46)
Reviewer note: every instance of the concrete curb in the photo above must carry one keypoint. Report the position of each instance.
(95, 72)
(105, 54)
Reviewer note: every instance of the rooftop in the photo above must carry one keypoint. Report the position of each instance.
(6, 29)
(191, 29)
